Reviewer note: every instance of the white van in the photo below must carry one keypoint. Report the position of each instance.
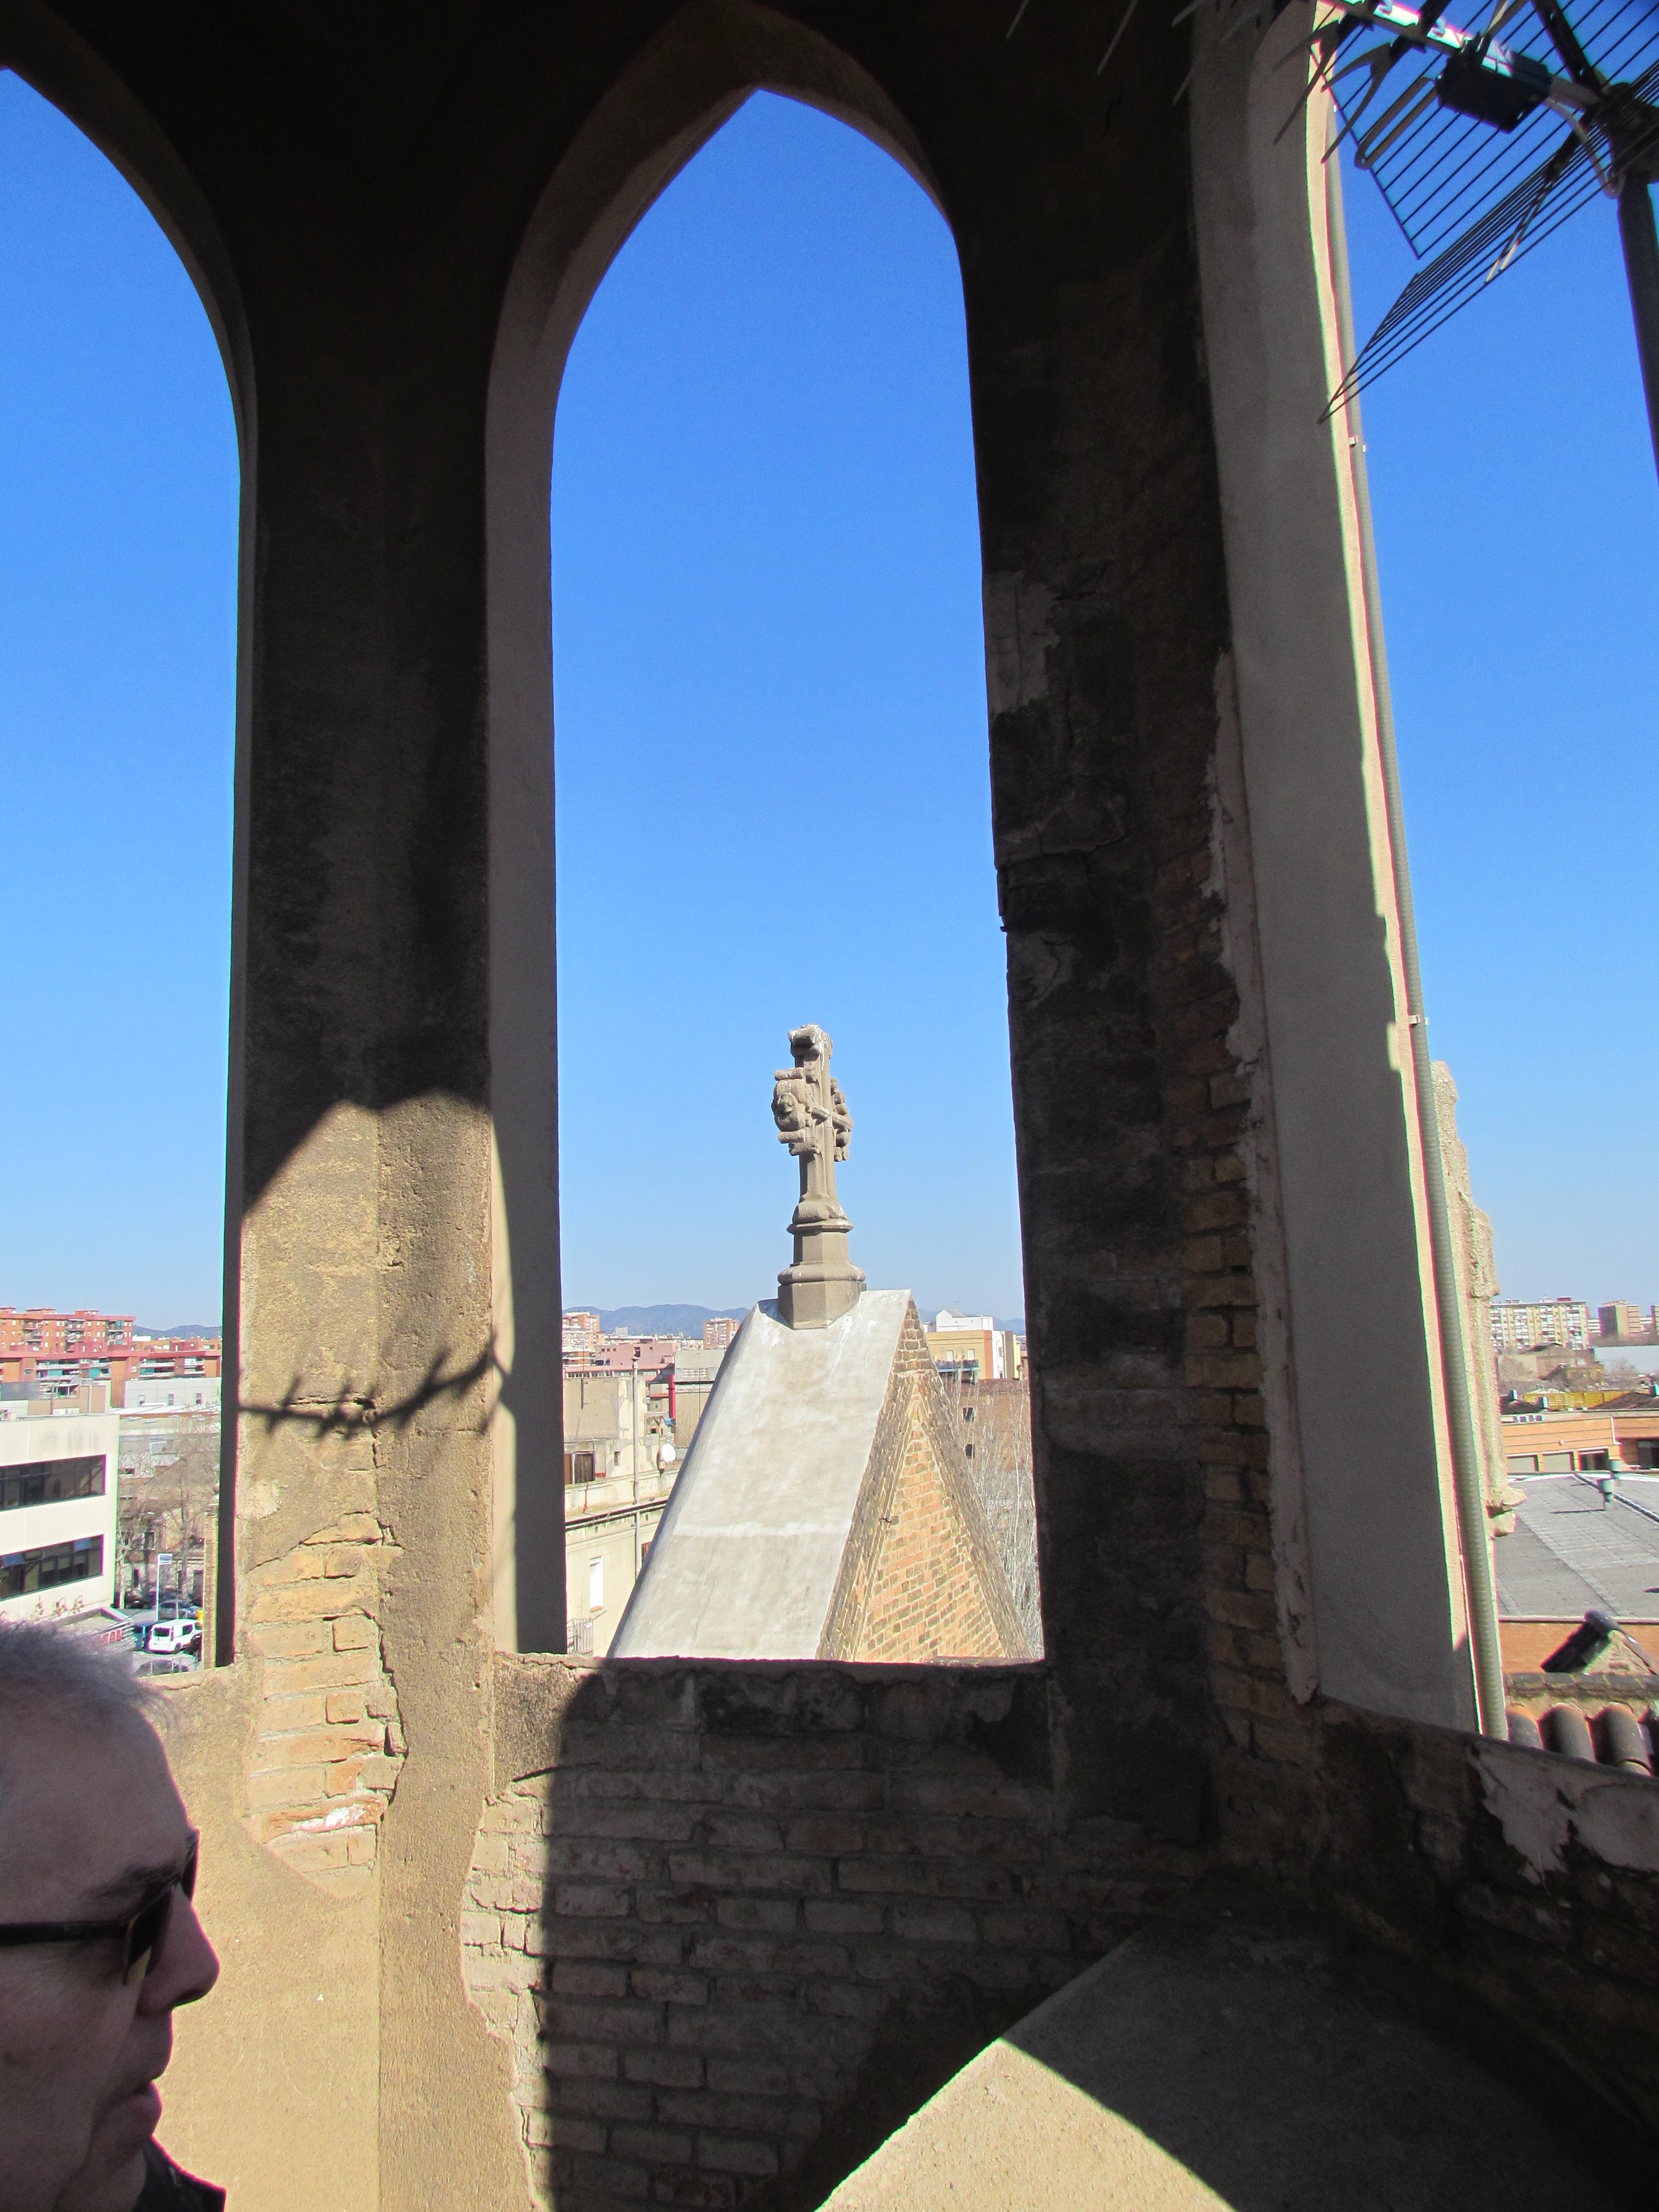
(182, 1633)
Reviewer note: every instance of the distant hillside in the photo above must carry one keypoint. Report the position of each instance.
(178, 1328)
(661, 1320)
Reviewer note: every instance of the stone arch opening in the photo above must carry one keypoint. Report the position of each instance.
(132, 622)
(721, 57)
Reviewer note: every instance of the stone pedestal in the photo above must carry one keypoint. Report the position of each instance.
(822, 1283)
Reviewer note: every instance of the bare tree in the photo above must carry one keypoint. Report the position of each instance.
(169, 1493)
(1002, 1470)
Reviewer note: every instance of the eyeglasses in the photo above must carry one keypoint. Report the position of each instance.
(140, 1935)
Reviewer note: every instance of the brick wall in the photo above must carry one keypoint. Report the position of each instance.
(928, 1597)
(328, 1742)
(737, 1921)
(919, 1580)
(1528, 1880)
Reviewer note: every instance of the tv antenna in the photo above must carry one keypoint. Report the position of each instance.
(1483, 146)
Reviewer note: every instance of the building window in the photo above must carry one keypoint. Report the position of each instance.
(21, 1573)
(48, 1482)
(596, 1585)
(578, 1466)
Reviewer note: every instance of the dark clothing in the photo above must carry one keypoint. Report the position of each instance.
(168, 2188)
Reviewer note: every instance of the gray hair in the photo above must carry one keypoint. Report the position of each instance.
(51, 1676)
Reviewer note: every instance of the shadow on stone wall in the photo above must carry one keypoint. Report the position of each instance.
(737, 1921)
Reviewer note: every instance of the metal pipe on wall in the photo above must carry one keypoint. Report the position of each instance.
(1475, 1544)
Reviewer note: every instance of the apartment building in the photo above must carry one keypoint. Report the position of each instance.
(1625, 1321)
(60, 1354)
(1518, 1324)
(971, 1346)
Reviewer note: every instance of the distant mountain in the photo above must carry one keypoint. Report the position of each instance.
(661, 1320)
(178, 1328)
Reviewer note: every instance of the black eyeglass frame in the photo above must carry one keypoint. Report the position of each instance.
(141, 1932)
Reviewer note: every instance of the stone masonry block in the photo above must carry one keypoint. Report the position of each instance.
(734, 1870)
(771, 1916)
(746, 2154)
(698, 2192)
(309, 1600)
(593, 2020)
(604, 1861)
(835, 1917)
(1243, 1610)
(663, 2146)
(666, 2069)
(1223, 1370)
(822, 1833)
(937, 1924)
(592, 1900)
(1249, 1693)
(313, 1747)
(286, 1715)
(749, 2077)
(587, 1977)
(741, 1832)
(591, 2062)
(350, 1529)
(286, 1785)
(287, 1640)
(327, 1669)
(662, 1985)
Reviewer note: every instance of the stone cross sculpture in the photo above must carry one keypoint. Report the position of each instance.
(812, 1119)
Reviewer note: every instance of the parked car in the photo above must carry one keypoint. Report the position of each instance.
(181, 1634)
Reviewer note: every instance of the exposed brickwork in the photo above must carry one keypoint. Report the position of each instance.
(928, 1598)
(920, 1579)
(329, 1743)
(753, 1915)
(749, 1916)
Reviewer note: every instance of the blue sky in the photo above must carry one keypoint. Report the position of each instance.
(771, 735)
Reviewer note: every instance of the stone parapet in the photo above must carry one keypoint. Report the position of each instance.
(736, 1921)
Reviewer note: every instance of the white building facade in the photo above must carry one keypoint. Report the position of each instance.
(57, 1499)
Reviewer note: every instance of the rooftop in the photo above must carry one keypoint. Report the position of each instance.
(1570, 1552)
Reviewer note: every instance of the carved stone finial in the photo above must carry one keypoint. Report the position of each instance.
(812, 1119)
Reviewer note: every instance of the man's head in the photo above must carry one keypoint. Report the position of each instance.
(91, 1829)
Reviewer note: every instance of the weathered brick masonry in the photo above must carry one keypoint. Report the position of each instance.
(735, 1922)
(739, 1921)
(919, 1580)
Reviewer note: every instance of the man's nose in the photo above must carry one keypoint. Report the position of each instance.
(185, 1966)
